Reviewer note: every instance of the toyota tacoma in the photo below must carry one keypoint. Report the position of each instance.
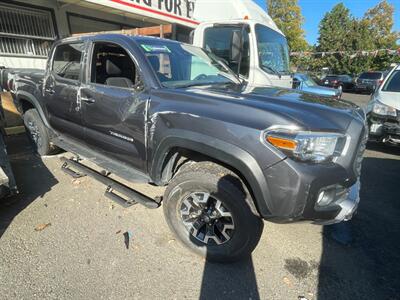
(170, 114)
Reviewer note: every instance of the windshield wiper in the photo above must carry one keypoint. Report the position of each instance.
(276, 72)
(202, 84)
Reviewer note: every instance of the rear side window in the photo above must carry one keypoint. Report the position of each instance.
(67, 60)
(393, 83)
(371, 75)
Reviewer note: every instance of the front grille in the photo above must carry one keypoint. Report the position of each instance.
(360, 152)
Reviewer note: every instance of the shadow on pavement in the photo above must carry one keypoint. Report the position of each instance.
(360, 258)
(388, 149)
(230, 281)
(32, 177)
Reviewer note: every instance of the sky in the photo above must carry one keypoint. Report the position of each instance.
(314, 10)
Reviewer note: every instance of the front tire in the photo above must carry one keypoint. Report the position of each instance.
(37, 132)
(208, 208)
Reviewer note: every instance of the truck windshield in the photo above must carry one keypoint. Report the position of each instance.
(273, 51)
(181, 65)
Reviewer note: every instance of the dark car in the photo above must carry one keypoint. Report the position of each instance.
(344, 83)
(170, 114)
(367, 82)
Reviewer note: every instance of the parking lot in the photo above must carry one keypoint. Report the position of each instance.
(62, 239)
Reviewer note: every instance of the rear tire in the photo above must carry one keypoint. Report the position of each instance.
(37, 133)
(208, 208)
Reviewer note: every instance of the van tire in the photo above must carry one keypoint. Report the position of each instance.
(37, 133)
(241, 231)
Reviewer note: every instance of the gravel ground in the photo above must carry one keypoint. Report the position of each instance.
(81, 253)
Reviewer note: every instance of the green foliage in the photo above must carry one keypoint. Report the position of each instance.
(287, 16)
(339, 31)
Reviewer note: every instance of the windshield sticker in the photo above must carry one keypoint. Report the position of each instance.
(158, 49)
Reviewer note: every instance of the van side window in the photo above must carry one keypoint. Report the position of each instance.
(112, 66)
(67, 60)
(218, 41)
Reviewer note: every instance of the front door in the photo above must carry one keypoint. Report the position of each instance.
(114, 105)
(61, 89)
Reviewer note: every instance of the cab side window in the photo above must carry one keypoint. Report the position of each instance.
(112, 66)
(67, 60)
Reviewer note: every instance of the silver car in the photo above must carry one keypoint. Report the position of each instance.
(307, 84)
(383, 111)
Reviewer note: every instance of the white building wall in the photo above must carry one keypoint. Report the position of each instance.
(62, 27)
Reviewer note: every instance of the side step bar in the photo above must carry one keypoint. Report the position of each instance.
(112, 185)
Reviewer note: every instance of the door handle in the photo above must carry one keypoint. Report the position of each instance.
(88, 100)
(49, 91)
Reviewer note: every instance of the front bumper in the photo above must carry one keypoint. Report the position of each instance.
(384, 129)
(348, 207)
(324, 193)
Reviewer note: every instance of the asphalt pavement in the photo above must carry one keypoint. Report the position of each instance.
(60, 238)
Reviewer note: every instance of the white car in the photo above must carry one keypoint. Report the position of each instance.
(383, 111)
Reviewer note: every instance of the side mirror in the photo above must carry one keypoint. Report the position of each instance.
(296, 83)
(236, 46)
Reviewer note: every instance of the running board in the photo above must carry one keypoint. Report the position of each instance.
(133, 196)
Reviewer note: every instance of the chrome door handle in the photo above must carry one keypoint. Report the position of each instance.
(50, 91)
(88, 100)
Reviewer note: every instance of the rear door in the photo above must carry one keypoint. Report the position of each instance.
(61, 88)
(114, 104)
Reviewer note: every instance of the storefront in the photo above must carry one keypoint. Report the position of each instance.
(27, 31)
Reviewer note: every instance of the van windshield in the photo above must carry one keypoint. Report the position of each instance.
(273, 51)
(181, 65)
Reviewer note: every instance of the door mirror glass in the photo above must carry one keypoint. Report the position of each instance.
(296, 83)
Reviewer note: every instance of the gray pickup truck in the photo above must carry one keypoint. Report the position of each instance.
(170, 114)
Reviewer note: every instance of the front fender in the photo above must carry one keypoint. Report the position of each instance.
(229, 154)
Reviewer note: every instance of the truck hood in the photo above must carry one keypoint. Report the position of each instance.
(264, 107)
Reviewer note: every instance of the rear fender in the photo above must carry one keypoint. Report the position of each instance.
(24, 96)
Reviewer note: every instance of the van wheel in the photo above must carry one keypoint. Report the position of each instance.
(37, 133)
(208, 208)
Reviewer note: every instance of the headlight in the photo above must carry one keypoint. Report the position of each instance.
(384, 110)
(308, 146)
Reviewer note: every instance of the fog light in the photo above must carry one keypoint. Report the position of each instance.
(328, 195)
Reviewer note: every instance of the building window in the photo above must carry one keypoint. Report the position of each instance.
(25, 31)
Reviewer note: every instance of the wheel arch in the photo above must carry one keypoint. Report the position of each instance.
(195, 145)
(27, 101)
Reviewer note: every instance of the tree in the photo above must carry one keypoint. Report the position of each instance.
(336, 33)
(287, 16)
(379, 21)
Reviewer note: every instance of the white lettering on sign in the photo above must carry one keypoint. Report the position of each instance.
(181, 8)
(176, 11)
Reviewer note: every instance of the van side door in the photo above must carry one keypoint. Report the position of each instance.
(61, 88)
